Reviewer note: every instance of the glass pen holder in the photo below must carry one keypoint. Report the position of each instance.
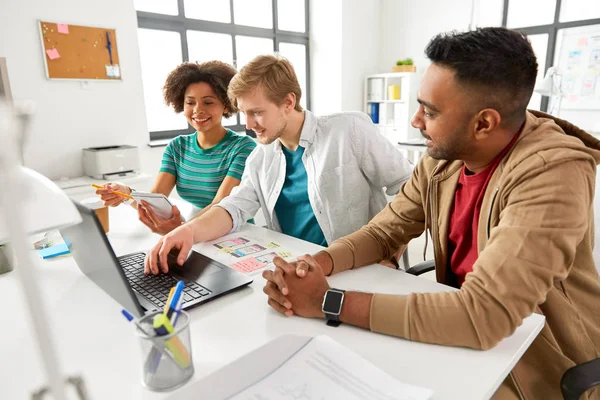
(166, 360)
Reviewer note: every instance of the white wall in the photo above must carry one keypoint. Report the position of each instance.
(325, 27)
(69, 117)
(407, 26)
(344, 40)
(360, 49)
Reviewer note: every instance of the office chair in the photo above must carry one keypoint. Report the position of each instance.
(581, 378)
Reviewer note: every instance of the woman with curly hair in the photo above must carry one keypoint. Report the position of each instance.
(204, 166)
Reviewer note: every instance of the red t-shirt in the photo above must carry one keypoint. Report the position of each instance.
(464, 219)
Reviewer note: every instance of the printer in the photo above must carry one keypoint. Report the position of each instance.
(111, 162)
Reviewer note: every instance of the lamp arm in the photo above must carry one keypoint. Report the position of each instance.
(13, 220)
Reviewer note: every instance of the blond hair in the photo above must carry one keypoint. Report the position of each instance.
(274, 73)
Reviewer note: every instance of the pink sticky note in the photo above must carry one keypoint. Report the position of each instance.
(248, 265)
(582, 41)
(53, 54)
(63, 28)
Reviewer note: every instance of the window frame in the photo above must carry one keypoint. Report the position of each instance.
(552, 31)
(180, 23)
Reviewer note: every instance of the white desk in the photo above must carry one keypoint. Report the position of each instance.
(94, 340)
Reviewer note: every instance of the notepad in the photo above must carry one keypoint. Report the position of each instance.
(159, 203)
(54, 251)
(297, 367)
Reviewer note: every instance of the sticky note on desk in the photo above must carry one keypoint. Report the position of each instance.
(284, 254)
(63, 28)
(54, 251)
(53, 54)
(248, 265)
(226, 250)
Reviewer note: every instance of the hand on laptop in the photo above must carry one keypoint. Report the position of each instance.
(156, 224)
(181, 238)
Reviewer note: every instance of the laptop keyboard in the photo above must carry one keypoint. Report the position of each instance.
(156, 288)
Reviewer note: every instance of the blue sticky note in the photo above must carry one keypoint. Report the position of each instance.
(54, 251)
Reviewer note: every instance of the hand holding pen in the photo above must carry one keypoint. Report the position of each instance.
(113, 193)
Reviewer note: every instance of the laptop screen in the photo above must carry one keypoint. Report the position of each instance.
(95, 258)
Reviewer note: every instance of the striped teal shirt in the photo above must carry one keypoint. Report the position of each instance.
(200, 172)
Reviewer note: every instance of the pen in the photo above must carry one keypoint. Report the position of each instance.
(177, 311)
(175, 299)
(168, 303)
(108, 46)
(153, 359)
(114, 191)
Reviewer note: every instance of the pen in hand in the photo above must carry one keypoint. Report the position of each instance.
(114, 191)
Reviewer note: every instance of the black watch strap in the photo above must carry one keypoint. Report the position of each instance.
(334, 319)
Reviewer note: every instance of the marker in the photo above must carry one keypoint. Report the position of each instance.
(162, 327)
(159, 347)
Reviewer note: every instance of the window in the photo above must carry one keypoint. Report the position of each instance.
(233, 31)
(551, 25)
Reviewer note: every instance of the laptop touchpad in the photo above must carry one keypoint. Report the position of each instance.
(195, 266)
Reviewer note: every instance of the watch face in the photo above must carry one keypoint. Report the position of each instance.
(333, 302)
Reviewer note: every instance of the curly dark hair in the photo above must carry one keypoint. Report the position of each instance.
(498, 63)
(216, 73)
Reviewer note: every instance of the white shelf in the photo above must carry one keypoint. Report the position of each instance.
(388, 125)
(393, 116)
(386, 101)
(391, 75)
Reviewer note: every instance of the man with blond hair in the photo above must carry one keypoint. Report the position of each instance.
(315, 178)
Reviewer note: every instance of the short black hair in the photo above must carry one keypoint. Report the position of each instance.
(497, 62)
(216, 73)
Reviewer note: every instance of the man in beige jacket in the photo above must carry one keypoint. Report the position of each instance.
(507, 196)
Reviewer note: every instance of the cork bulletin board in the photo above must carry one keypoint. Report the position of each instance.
(79, 52)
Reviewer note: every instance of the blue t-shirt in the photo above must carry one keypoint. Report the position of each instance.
(293, 210)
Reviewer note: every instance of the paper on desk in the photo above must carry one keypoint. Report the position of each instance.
(295, 367)
(324, 369)
(245, 253)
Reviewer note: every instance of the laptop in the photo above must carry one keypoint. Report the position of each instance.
(123, 277)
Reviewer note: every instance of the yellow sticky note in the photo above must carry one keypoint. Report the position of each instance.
(284, 254)
(225, 250)
(272, 245)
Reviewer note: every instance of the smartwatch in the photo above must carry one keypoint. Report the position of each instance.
(332, 306)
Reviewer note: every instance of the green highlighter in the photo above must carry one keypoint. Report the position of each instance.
(162, 326)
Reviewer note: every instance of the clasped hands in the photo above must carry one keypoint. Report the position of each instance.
(296, 287)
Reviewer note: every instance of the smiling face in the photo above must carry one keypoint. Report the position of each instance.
(202, 108)
(267, 119)
(444, 116)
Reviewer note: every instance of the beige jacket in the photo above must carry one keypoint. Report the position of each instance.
(535, 242)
